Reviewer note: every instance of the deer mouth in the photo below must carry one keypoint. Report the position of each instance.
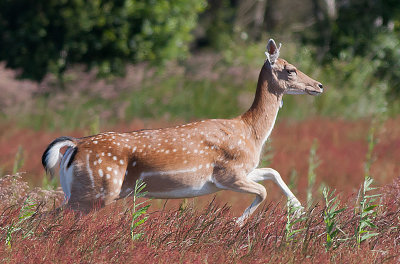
(314, 92)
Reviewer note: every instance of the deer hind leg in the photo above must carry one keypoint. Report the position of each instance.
(81, 192)
(271, 174)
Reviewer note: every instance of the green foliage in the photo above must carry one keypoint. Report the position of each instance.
(366, 212)
(295, 217)
(28, 209)
(49, 184)
(330, 218)
(219, 29)
(95, 126)
(138, 210)
(313, 163)
(48, 36)
(267, 154)
(18, 160)
(177, 97)
(366, 29)
(365, 201)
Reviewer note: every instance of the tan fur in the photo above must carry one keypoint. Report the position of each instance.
(191, 159)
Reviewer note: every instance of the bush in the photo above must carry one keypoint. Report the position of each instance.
(48, 36)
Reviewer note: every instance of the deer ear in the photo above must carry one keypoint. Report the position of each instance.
(272, 51)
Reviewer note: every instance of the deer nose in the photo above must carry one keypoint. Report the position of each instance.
(320, 86)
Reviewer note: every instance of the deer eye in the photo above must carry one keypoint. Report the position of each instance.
(291, 71)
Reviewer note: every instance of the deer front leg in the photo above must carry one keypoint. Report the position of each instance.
(244, 185)
(271, 174)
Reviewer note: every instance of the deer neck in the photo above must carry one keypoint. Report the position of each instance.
(261, 116)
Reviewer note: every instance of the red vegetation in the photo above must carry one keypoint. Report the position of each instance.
(186, 235)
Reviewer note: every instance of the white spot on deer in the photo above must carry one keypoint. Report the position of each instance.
(98, 195)
(120, 181)
(108, 176)
(134, 164)
(207, 165)
(115, 181)
(174, 139)
(121, 162)
(162, 150)
(109, 154)
(101, 173)
(102, 154)
(115, 158)
(99, 161)
(183, 149)
(174, 150)
(167, 151)
(126, 172)
(109, 169)
(195, 151)
(185, 161)
(94, 163)
(201, 151)
(115, 172)
(166, 141)
(95, 142)
(200, 166)
(133, 150)
(118, 144)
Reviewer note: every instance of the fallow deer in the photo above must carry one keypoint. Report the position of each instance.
(185, 161)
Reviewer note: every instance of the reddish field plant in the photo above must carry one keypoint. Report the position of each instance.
(184, 234)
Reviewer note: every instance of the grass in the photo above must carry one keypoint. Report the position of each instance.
(190, 236)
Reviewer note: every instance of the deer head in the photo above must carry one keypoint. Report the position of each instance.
(287, 77)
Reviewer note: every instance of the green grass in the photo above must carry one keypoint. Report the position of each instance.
(352, 92)
(177, 98)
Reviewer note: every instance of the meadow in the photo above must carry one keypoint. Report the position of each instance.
(336, 141)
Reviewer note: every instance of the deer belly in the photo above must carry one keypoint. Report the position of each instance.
(169, 185)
